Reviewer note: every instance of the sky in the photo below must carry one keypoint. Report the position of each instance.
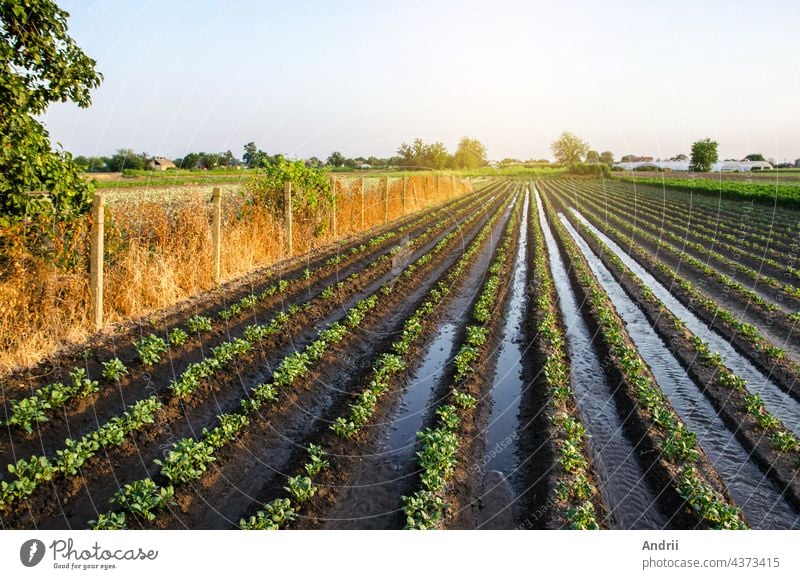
(644, 77)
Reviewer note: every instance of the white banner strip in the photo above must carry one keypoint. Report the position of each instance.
(352, 554)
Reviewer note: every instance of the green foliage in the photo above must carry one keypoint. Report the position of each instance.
(569, 148)
(583, 517)
(422, 155)
(143, 497)
(424, 509)
(187, 461)
(463, 400)
(596, 169)
(316, 461)
(197, 324)
(437, 457)
(470, 154)
(785, 441)
(702, 498)
(150, 349)
(301, 488)
(177, 337)
(27, 412)
(124, 160)
(114, 369)
(111, 521)
(42, 64)
(226, 431)
(30, 473)
(704, 155)
(274, 515)
(311, 187)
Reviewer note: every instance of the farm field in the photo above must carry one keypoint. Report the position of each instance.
(545, 354)
(780, 189)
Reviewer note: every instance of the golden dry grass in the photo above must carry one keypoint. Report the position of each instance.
(159, 252)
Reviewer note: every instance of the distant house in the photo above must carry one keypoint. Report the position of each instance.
(797, 163)
(162, 164)
(364, 166)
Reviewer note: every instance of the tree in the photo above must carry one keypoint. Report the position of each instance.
(607, 157)
(592, 157)
(704, 155)
(509, 162)
(42, 64)
(755, 157)
(569, 148)
(227, 159)
(253, 156)
(422, 155)
(336, 159)
(436, 156)
(679, 157)
(189, 161)
(311, 188)
(209, 160)
(126, 159)
(470, 154)
(413, 155)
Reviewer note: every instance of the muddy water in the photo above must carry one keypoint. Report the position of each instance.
(741, 308)
(759, 499)
(501, 435)
(502, 459)
(775, 399)
(631, 503)
(372, 497)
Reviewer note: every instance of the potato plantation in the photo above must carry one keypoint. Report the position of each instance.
(502, 354)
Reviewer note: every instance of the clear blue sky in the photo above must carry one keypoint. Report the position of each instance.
(306, 78)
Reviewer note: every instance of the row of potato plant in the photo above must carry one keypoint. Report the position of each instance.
(386, 365)
(32, 472)
(677, 444)
(439, 445)
(393, 362)
(781, 438)
(188, 459)
(663, 226)
(736, 329)
(26, 412)
(769, 309)
(574, 489)
(721, 234)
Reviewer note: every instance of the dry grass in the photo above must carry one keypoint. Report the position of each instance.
(159, 252)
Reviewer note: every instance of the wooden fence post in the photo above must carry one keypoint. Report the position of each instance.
(216, 231)
(96, 259)
(363, 192)
(287, 191)
(351, 196)
(386, 201)
(403, 194)
(333, 195)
